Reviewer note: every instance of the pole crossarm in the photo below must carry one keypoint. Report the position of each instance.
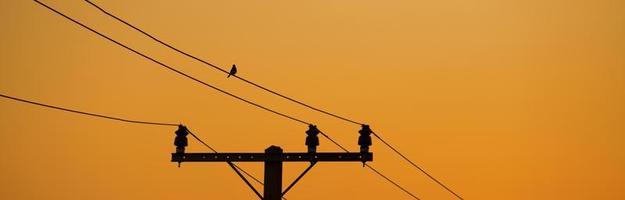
(262, 157)
(273, 159)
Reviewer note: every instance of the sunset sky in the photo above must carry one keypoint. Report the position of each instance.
(498, 99)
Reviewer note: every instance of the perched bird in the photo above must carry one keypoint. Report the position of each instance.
(233, 71)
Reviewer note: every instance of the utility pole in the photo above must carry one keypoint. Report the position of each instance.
(273, 158)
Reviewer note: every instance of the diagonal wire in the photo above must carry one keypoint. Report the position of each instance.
(218, 68)
(201, 141)
(88, 113)
(192, 134)
(171, 68)
(215, 151)
(416, 166)
(391, 181)
(220, 90)
(181, 73)
(121, 120)
(373, 169)
(268, 90)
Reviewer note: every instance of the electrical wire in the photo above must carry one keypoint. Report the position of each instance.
(219, 68)
(268, 90)
(223, 91)
(171, 68)
(201, 141)
(416, 166)
(88, 113)
(122, 120)
(215, 151)
(371, 167)
(391, 181)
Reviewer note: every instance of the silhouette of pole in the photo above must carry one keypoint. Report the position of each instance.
(273, 174)
(273, 158)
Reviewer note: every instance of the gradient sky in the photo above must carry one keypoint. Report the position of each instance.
(498, 99)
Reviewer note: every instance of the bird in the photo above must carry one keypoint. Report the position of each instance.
(233, 71)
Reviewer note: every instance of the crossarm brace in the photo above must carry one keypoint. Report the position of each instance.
(299, 177)
(245, 180)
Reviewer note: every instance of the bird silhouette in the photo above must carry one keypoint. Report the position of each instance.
(233, 71)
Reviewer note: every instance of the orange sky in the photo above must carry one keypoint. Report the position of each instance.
(498, 99)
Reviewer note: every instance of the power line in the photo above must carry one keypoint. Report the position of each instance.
(219, 68)
(371, 167)
(268, 90)
(201, 141)
(154, 38)
(87, 113)
(416, 166)
(173, 69)
(215, 151)
(236, 166)
(391, 181)
(192, 134)
(197, 80)
(121, 120)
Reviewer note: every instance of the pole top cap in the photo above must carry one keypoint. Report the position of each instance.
(273, 149)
